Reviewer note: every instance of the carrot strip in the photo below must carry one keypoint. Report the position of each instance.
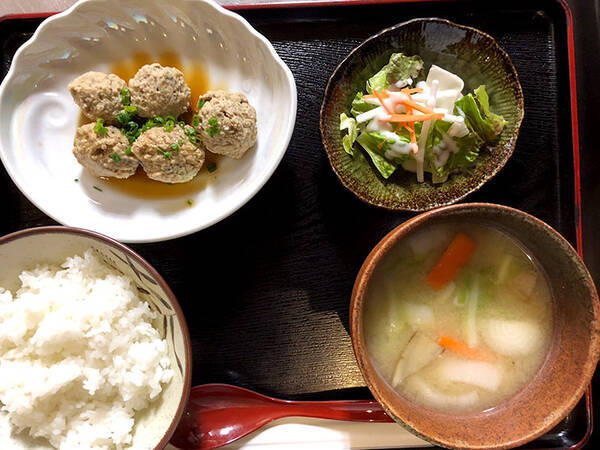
(411, 117)
(380, 98)
(463, 349)
(411, 90)
(413, 136)
(415, 105)
(383, 93)
(455, 257)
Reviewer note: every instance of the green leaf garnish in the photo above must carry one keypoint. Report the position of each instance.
(115, 157)
(213, 127)
(195, 120)
(169, 125)
(167, 155)
(125, 96)
(99, 127)
(212, 167)
(192, 136)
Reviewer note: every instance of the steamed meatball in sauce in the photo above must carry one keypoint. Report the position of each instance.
(168, 156)
(98, 95)
(159, 91)
(227, 123)
(104, 154)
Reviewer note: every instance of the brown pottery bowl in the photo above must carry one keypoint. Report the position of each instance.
(471, 54)
(561, 380)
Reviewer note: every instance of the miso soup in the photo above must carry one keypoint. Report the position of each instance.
(458, 317)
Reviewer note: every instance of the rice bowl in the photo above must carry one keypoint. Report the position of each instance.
(149, 296)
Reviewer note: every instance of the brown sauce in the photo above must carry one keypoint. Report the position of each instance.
(139, 185)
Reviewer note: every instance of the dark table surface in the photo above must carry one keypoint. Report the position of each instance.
(586, 19)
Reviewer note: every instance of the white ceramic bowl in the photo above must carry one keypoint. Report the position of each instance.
(22, 251)
(38, 118)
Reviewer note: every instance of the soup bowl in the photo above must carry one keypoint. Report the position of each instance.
(23, 250)
(564, 374)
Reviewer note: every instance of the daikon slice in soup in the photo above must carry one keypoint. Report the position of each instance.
(458, 317)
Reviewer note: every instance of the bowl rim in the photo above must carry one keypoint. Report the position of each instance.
(388, 242)
(164, 235)
(187, 378)
(329, 149)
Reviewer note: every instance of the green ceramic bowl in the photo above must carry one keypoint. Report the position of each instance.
(472, 55)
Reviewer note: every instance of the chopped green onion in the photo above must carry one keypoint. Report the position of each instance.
(159, 120)
(125, 99)
(149, 124)
(170, 118)
(169, 125)
(175, 147)
(212, 167)
(97, 188)
(191, 134)
(115, 157)
(130, 109)
(213, 127)
(180, 141)
(167, 155)
(200, 104)
(123, 118)
(181, 123)
(99, 127)
(195, 120)
(76, 180)
(128, 151)
(190, 203)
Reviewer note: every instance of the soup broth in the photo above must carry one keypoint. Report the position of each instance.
(458, 318)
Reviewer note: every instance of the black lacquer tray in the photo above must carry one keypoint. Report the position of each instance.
(266, 291)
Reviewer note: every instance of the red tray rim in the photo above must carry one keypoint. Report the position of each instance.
(572, 93)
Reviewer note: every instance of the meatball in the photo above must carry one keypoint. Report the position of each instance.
(98, 95)
(168, 156)
(105, 155)
(227, 123)
(159, 91)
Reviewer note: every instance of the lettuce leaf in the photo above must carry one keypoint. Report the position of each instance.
(348, 123)
(372, 141)
(468, 151)
(478, 117)
(399, 67)
(359, 105)
(497, 120)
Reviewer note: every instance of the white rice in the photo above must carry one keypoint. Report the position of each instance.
(78, 355)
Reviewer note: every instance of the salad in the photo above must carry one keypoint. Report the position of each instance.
(430, 127)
